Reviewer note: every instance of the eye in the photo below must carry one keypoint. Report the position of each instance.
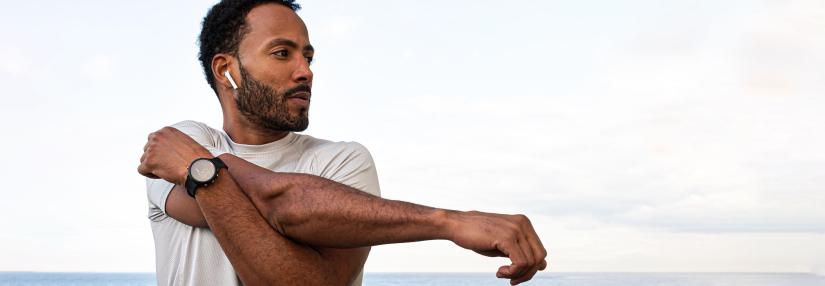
(281, 53)
(309, 59)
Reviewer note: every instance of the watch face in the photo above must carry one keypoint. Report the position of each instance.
(202, 170)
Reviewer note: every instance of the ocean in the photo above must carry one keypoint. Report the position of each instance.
(456, 279)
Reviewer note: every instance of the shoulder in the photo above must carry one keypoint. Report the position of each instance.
(202, 133)
(349, 163)
(191, 127)
(331, 158)
(326, 150)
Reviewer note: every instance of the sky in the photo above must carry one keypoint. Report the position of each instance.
(637, 135)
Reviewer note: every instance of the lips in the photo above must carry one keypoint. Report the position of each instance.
(300, 99)
(301, 95)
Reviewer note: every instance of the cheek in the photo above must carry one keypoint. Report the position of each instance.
(277, 76)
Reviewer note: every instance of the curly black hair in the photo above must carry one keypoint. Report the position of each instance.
(223, 28)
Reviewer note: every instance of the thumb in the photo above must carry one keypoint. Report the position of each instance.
(503, 272)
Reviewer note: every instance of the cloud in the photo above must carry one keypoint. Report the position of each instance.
(98, 67)
(717, 137)
(670, 137)
(16, 64)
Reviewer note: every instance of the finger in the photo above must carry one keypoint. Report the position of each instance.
(518, 261)
(142, 170)
(152, 137)
(531, 262)
(148, 142)
(502, 270)
(530, 274)
(527, 276)
(145, 171)
(537, 245)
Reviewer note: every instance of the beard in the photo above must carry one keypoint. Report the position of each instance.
(268, 109)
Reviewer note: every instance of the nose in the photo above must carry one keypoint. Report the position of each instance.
(303, 74)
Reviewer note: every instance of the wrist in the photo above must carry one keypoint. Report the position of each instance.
(184, 174)
(444, 222)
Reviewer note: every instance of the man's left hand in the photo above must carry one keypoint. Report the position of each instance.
(167, 155)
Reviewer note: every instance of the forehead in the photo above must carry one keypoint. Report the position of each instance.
(269, 21)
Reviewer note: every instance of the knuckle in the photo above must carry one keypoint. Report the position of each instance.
(515, 230)
(510, 235)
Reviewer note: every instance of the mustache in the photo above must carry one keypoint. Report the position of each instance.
(299, 88)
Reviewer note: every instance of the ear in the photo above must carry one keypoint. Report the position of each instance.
(221, 64)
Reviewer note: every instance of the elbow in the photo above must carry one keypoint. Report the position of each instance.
(284, 217)
(287, 210)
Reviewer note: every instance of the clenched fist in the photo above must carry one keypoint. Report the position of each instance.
(167, 155)
(501, 235)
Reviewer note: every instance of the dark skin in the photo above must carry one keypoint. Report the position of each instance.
(278, 228)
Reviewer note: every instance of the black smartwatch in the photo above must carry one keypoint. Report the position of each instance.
(202, 173)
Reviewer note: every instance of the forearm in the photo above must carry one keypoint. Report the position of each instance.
(321, 212)
(259, 254)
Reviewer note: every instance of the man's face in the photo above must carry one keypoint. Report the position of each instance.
(274, 65)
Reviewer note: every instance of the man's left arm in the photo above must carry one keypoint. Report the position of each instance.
(261, 255)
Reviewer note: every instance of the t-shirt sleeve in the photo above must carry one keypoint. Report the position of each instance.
(350, 164)
(157, 190)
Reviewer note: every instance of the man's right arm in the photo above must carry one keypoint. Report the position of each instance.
(321, 212)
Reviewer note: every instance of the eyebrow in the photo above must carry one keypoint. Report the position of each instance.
(289, 43)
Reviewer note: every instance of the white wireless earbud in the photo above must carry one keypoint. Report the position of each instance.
(232, 81)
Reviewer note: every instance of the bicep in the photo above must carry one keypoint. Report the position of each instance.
(184, 208)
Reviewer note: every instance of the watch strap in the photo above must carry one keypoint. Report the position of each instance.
(218, 165)
(190, 185)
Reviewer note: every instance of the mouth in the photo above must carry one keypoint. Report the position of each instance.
(301, 95)
(300, 99)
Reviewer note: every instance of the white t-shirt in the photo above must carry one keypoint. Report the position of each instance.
(186, 255)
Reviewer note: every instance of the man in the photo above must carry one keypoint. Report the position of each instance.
(284, 208)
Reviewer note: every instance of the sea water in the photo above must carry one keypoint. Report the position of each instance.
(456, 279)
